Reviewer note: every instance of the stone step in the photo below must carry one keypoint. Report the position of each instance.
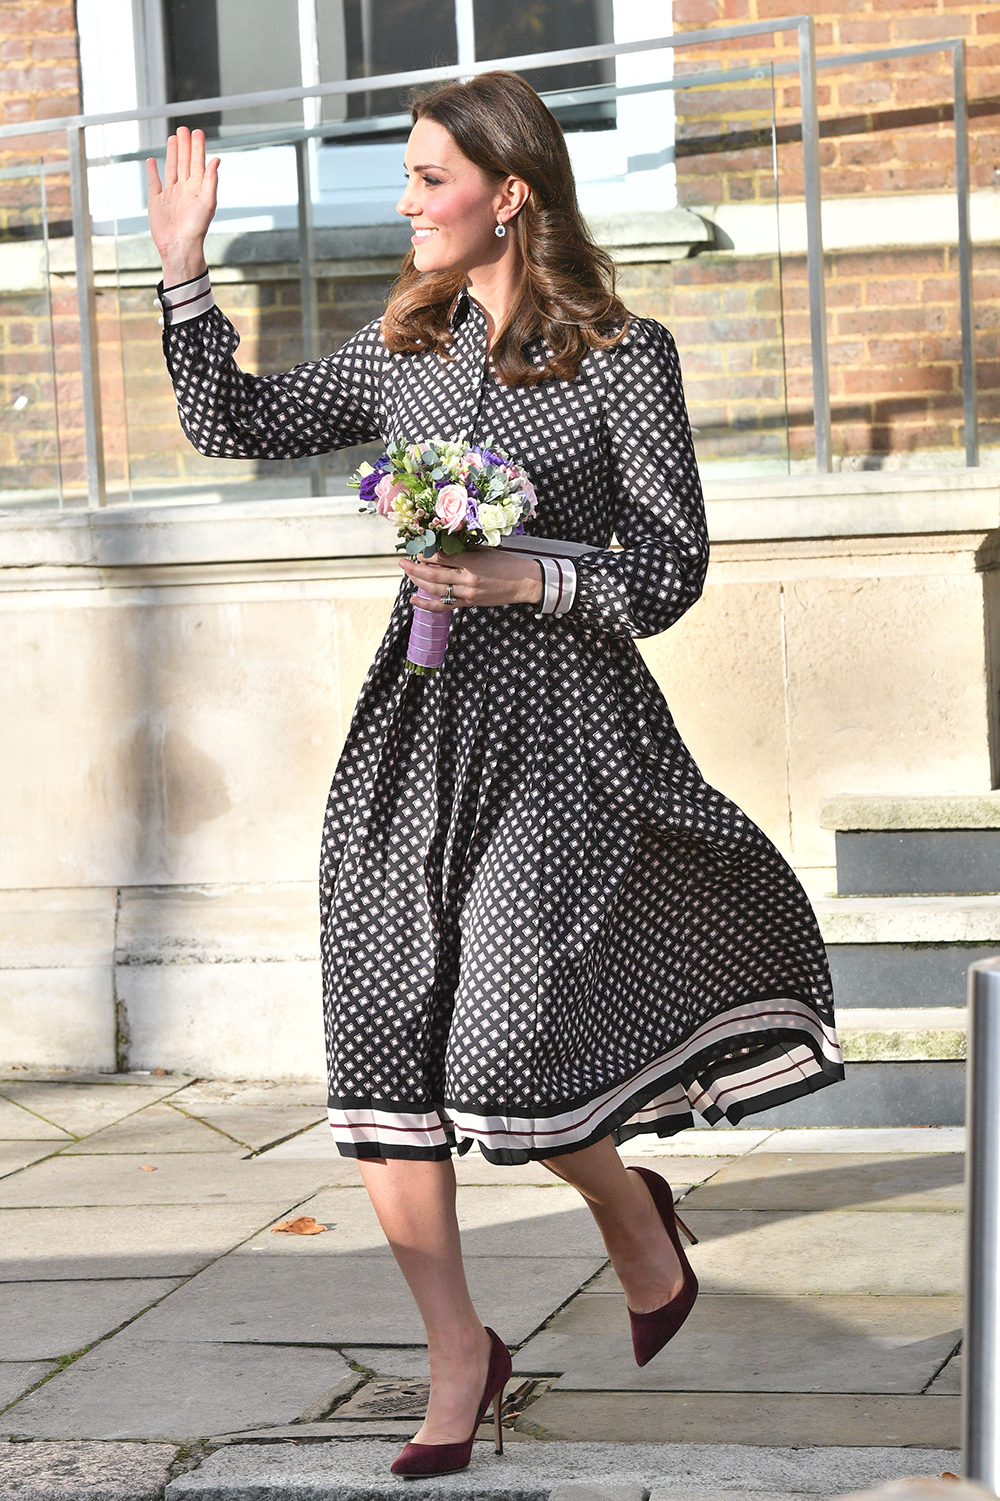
(906, 951)
(911, 845)
(552, 1471)
(887, 1034)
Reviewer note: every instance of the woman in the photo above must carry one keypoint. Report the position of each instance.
(542, 931)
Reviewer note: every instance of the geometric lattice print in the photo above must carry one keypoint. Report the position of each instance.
(540, 925)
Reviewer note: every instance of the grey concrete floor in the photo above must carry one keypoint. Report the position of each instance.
(146, 1300)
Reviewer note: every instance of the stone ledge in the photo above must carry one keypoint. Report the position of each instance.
(817, 507)
(358, 1470)
(877, 1035)
(908, 919)
(849, 812)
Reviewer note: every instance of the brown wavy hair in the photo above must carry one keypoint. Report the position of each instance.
(567, 293)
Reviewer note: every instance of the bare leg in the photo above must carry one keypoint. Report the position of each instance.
(415, 1204)
(640, 1249)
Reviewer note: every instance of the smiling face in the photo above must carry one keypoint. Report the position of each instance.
(451, 203)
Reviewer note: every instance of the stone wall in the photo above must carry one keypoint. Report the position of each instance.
(202, 662)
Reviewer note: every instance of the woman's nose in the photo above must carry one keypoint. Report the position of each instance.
(408, 205)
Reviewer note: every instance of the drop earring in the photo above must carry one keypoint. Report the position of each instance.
(500, 230)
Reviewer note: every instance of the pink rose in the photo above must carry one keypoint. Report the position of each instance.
(452, 504)
(385, 494)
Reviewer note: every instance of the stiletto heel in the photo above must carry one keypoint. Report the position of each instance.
(692, 1239)
(442, 1459)
(651, 1331)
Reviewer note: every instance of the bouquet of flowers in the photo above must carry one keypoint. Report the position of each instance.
(443, 497)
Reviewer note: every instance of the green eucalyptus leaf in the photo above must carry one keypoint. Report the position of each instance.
(451, 544)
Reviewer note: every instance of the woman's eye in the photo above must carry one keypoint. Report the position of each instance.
(433, 182)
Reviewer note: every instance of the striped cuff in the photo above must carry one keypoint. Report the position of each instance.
(188, 299)
(558, 586)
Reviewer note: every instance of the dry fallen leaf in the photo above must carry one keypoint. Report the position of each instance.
(304, 1225)
(147, 1168)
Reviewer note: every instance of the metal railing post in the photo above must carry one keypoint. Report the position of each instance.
(981, 1344)
(814, 242)
(307, 284)
(86, 306)
(970, 412)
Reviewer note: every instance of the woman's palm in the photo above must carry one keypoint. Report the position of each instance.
(182, 207)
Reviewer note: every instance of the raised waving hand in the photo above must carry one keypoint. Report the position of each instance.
(182, 207)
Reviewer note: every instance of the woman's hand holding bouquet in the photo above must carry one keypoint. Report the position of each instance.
(449, 499)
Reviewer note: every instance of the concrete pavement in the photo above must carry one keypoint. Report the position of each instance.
(156, 1332)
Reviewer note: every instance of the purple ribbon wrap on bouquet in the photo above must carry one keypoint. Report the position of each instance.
(428, 642)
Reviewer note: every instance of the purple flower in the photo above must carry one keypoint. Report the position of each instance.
(472, 516)
(491, 457)
(366, 489)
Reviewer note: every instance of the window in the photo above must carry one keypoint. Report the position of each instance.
(240, 46)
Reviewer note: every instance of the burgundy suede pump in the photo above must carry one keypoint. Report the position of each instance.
(442, 1459)
(651, 1331)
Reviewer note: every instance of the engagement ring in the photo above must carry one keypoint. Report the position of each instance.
(449, 598)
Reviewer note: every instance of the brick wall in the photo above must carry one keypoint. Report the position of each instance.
(886, 127)
(143, 442)
(39, 79)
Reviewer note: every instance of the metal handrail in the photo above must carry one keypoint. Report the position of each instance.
(806, 65)
(981, 1341)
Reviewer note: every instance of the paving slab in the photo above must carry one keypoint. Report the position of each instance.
(752, 1418)
(570, 1490)
(177, 1178)
(699, 1141)
(19, 1124)
(257, 1126)
(948, 1381)
(16, 1376)
(128, 1387)
(157, 1128)
(316, 1143)
(829, 1180)
(73, 1471)
(211, 1092)
(734, 1344)
(358, 1471)
(910, 1254)
(408, 1362)
(307, 1433)
(308, 1299)
(506, 1220)
(918, 1139)
(44, 1320)
(82, 1108)
(161, 1241)
(14, 1155)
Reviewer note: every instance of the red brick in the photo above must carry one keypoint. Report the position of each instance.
(894, 382)
(695, 14)
(910, 28)
(44, 48)
(864, 31)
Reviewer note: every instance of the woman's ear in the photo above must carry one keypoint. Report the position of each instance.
(514, 195)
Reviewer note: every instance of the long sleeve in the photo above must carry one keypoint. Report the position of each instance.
(313, 408)
(659, 513)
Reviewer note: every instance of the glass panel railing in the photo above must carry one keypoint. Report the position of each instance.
(36, 317)
(693, 180)
(670, 266)
(890, 232)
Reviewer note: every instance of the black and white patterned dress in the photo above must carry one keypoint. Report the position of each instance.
(540, 925)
